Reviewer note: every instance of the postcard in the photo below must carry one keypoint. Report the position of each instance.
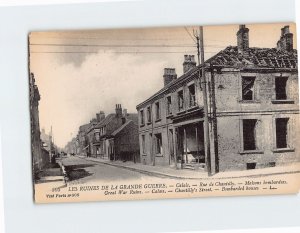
(155, 113)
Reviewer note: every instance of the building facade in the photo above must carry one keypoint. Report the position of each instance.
(91, 134)
(125, 142)
(108, 140)
(39, 158)
(253, 110)
(111, 137)
(82, 140)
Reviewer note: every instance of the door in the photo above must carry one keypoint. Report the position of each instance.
(151, 148)
(171, 147)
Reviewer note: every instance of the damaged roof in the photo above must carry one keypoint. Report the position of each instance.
(255, 58)
(251, 58)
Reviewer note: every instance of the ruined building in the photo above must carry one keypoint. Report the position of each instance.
(253, 110)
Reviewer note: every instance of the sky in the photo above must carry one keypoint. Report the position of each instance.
(80, 73)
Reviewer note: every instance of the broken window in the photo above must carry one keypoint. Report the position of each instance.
(149, 114)
(169, 105)
(157, 110)
(280, 88)
(142, 117)
(180, 100)
(282, 132)
(158, 144)
(143, 144)
(248, 88)
(249, 134)
(192, 96)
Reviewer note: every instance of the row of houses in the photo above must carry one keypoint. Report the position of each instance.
(111, 137)
(253, 110)
(253, 114)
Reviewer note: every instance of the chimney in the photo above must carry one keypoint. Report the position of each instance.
(169, 75)
(93, 121)
(124, 116)
(118, 110)
(285, 42)
(189, 63)
(243, 39)
(100, 116)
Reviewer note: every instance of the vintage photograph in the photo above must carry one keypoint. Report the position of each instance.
(150, 113)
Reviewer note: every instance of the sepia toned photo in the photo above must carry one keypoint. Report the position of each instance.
(152, 113)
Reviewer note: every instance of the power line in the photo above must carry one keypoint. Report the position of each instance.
(113, 52)
(113, 45)
(119, 52)
(125, 46)
(101, 38)
(190, 34)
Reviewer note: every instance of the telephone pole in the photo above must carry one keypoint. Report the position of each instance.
(200, 51)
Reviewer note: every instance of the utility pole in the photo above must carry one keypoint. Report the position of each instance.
(50, 144)
(200, 51)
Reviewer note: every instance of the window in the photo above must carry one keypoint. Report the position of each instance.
(102, 131)
(149, 114)
(157, 111)
(192, 96)
(158, 143)
(249, 134)
(169, 105)
(97, 136)
(142, 121)
(280, 88)
(180, 100)
(282, 132)
(248, 88)
(143, 144)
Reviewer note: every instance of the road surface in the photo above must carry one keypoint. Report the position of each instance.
(80, 170)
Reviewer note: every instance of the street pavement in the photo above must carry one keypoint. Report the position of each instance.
(80, 170)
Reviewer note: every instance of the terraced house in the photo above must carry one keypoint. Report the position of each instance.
(253, 110)
(115, 136)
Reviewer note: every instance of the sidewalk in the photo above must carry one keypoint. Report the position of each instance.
(52, 173)
(168, 172)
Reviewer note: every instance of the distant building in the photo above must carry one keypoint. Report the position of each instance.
(253, 110)
(46, 140)
(125, 141)
(82, 140)
(115, 137)
(92, 134)
(72, 146)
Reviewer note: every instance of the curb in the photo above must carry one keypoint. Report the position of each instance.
(66, 179)
(157, 174)
(163, 175)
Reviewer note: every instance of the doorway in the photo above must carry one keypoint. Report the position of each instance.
(191, 151)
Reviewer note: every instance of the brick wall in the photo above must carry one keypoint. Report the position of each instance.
(231, 110)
